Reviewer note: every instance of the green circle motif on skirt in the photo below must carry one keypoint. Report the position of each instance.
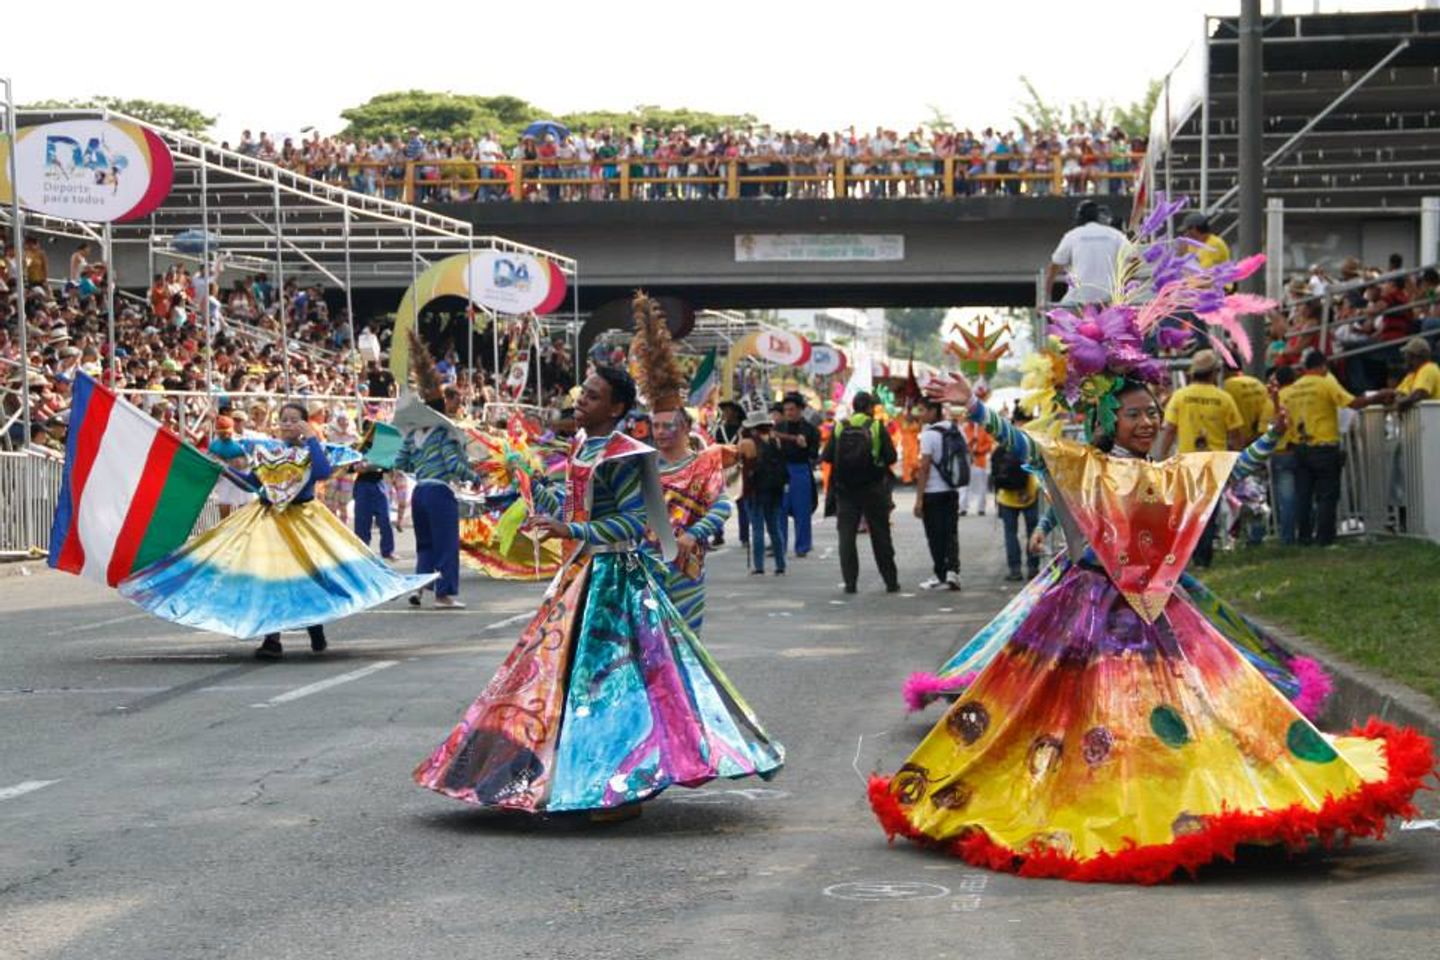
(1169, 726)
(1307, 744)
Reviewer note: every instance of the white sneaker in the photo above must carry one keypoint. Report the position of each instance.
(952, 580)
(931, 583)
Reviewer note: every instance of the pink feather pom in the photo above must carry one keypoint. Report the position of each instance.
(1315, 685)
(922, 688)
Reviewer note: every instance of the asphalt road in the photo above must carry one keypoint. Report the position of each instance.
(163, 795)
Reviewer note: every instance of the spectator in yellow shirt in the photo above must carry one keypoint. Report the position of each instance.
(1203, 416)
(1211, 249)
(1253, 399)
(1422, 376)
(1017, 496)
(1314, 402)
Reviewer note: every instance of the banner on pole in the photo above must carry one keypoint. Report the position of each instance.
(97, 171)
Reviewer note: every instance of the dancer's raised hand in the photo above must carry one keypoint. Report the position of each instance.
(950, 388)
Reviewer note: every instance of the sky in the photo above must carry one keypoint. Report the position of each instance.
(797, 64)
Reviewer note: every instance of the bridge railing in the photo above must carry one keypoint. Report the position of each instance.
(732, 178)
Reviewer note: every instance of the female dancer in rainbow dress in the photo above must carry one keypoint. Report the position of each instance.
(608, 698)
(1117, 736)
(694, 482)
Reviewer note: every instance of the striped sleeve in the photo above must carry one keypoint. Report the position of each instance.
(549, 497)
(1006, 434)
(622, 480)
(714, 520)
(1253, 457)
(457, 467)
(405, 459)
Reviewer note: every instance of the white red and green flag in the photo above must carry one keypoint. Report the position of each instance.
(131, 490)
(706, 382)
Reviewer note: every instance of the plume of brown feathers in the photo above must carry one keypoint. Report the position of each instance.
(422, 364)
(661, 379)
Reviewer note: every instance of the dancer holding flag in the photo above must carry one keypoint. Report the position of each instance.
(608, 698)
(132, 492)
(1117, 736)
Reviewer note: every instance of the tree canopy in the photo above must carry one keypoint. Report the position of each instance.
(458, 114)
(1040, 113)
(915, 330)
(173, 116)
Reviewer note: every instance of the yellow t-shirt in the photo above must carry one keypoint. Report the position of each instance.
(1203, 415)
(1256, 408)
(1215, 251)
(1314, 403)
(1019, 499)
(1427, 378)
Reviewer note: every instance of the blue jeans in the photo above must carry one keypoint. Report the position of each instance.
(437, 535)
(1010, 520)
(372, 507)
(1282, 478)
(766, 512)
(800, 503)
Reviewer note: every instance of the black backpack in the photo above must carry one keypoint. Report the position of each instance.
(855, 462)
(1008, 471)
(954, 465)
(771, 474)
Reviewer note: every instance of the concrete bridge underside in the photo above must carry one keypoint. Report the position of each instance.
(973, 250)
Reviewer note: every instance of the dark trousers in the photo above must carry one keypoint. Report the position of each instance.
(1317, 493)
(800, 503)
(767, 512)
(744, 517)
(940, 512)
(872, 503)
(1204, 553)
(317, 635)
(1010, 520)
(372, 507)
(437, 535)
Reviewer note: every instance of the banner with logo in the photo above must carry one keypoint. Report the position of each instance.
(97, 171)
(818, 247)
(503, 282)
(514, 282)
(825, 360)
(783, 347)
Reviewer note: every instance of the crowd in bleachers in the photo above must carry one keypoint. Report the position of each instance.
(1361, 317)
(481, 167)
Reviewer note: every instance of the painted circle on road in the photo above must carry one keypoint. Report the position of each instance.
(876, 891)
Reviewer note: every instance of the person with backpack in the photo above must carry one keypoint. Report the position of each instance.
(1017, 494)
(861, 453)
(766, 477)
(942, 472)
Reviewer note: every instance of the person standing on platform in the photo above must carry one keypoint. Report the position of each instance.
(1204, 418)
(1088, 253)
(942, 471)
(801, 443)
(862, 453)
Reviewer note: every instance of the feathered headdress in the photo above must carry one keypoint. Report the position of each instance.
(658, 372)
(427, 379)
(1092, 356)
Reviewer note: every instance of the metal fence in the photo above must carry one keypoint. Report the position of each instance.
(1383, 485)
(29, 490)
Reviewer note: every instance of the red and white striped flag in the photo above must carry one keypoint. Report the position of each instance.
(131, 490)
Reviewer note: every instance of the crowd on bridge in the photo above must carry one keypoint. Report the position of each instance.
(677, 163)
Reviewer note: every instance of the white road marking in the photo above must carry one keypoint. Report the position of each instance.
(100, 625)
(509, 621)
(20, 789)
(323, 685)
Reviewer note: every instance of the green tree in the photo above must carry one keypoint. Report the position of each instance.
(658, 118)
(171, 116)
(438, 114)
(915, 329)
(1040, 113)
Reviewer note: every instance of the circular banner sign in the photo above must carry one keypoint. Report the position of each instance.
(782, 347)
(514, 282)
(97, 171)
(826, 360)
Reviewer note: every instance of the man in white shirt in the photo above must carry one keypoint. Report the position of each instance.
(937, 501)
(1090, 250)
